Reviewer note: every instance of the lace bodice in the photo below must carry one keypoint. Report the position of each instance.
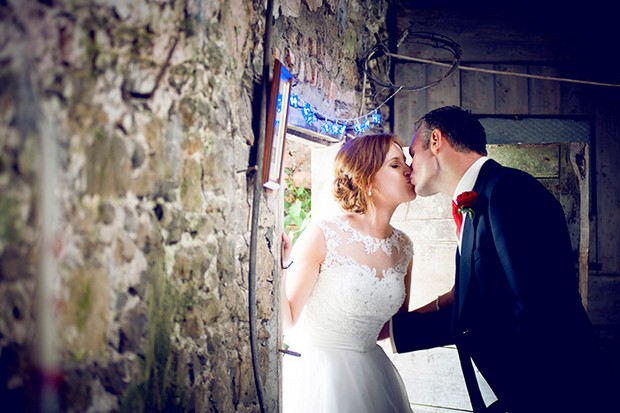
(359, 287)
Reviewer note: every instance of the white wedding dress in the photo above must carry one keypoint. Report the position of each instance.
(342, 369)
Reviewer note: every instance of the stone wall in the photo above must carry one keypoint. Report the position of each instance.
(143, 103)
(322, 43)
(126, 130)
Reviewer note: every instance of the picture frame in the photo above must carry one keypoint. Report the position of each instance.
(277, 120)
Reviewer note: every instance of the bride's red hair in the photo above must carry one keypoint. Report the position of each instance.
(356, 164)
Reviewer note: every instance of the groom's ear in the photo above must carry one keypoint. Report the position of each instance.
(436, 141)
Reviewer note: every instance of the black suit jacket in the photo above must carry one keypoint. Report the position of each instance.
(517, 310)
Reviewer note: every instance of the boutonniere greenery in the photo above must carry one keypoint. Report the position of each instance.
(466, 202)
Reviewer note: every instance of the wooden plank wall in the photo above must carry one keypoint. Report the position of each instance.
(492, 43)
(485, 94)
(489, 42)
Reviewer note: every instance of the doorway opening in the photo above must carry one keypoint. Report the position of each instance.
(304, 177)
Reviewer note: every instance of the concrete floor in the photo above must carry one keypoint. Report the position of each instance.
(434, 380)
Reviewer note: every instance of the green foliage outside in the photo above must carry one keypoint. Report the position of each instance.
(297, 207)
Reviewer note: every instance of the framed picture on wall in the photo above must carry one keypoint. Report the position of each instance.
(277, 118)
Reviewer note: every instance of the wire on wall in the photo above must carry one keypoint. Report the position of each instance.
(378, 60)
(506, 73)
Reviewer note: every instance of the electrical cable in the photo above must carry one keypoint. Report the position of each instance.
(438, 41)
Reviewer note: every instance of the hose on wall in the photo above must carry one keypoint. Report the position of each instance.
(256, 199)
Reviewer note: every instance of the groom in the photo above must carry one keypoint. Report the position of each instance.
(514, 309)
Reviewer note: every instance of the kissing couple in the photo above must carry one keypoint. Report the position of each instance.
(514, 310)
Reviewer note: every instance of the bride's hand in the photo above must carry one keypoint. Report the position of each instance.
(286, 249)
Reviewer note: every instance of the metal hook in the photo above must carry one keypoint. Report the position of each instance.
(289, 352)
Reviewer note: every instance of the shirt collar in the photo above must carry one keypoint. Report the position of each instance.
(468, 180)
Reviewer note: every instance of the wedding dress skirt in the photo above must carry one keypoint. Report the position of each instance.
(342, 369)
(334, 380)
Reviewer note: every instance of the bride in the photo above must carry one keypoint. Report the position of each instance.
(348, 275)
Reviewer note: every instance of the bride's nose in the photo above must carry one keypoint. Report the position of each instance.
(408, 170)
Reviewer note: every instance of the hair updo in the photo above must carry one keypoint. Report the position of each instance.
(355, 166)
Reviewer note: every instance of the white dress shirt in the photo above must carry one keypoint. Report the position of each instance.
(467, 182)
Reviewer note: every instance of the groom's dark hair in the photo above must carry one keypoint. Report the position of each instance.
(462, 129)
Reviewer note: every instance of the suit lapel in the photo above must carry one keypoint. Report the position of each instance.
(465, 264)
(465, 267)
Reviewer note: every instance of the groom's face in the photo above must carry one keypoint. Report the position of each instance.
(424, 167)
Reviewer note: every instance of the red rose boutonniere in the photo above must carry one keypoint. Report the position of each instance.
(466, 202)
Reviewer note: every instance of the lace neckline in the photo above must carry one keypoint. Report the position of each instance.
(371, 244)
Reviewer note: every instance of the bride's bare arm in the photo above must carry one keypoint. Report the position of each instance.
(300, 277)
